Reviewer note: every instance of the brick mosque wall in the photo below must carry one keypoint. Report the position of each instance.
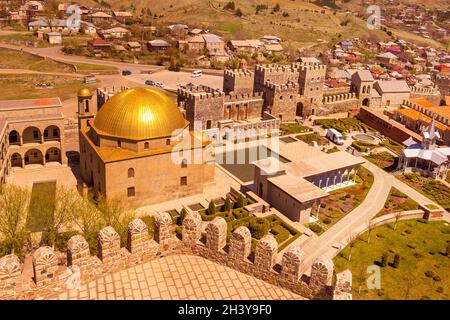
(55, 272)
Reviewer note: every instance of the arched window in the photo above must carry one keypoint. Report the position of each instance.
(184, 163)
(131, 173)
(146, 145)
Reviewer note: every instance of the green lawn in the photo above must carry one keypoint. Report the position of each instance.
(289, 128)
(433, 189)
(340, 202)
(397, 201)
(41, 205)
(423, 271)
(12, 59)
(384, 160)
(309, 138)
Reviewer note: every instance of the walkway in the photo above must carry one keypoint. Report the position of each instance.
(337, 237)
(179, 277)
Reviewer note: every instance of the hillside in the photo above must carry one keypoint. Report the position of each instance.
(301, 23)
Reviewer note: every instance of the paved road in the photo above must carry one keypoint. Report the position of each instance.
(56, 54)
(329, 243)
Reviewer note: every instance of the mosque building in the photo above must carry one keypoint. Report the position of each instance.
(127, 148)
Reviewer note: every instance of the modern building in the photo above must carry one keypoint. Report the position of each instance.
(137, 146)
(294, 187)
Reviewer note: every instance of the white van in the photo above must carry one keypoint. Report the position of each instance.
(197, 73)
(335, 136)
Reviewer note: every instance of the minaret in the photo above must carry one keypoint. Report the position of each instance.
(430, 135)
(86, 109)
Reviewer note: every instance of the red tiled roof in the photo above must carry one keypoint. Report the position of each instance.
(98, 42)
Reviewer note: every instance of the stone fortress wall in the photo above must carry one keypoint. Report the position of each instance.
(432, 94)
(53, 272)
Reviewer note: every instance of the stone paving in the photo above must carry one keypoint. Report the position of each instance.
(178, 277)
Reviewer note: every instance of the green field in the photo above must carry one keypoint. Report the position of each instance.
(41, 205)
(424, 268)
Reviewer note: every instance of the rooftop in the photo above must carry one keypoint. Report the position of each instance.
(40, 103)
(300, 189)
(393, 86)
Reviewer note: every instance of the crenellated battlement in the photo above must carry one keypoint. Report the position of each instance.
(438, 117)
(288, 86)
(55, 273)
(232, 97)
(424, 90)
(339, 97)
(199, 93)
(239, 73)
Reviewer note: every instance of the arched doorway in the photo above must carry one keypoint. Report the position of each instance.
(51, 133)
(299, 110)
(365, 102)
(16, 160)
(34, 156)
(14, 137)
(53, 155)
(31, 135)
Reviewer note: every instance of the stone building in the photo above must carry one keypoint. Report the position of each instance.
(31, 134)
(137, 147)
(293, 187)
(417, 114)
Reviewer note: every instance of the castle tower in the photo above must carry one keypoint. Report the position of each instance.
(86, 108)
(311, 80)
(239, 81)
(362, 85)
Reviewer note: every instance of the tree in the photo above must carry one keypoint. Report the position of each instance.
(240, 201)
(229, 6)
(227, 205)
(384, 259)
(447, 251)
(351, 243)
(370, 227)
(276, 8)
(13, 214)
(211, 208)
(397, 216)
(238, 12)
(396, 261)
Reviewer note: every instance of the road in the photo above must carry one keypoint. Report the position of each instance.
(337, 237)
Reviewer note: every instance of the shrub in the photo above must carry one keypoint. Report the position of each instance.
(280, 233)
(437, 278)
(181, 216)
(179, 231)
(211, 208)
(258, 227)
(429, 273)
(240, 202)
(240, 213)
(316, 228)
(384, 259)
(396, 261)
(440, 290)
(227, 206)
(327, 220)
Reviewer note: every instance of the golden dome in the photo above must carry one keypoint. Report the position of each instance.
(139, 114)
(84, 93)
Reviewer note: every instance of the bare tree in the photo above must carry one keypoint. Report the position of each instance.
(370, 227)
(351, 243)
(397, 216)
(14, 202)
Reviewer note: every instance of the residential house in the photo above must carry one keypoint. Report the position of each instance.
(196, 31)
(54, 37)
(99, 45)
(386, 58)
(270, 39)
(134, 46)
(214, 44)
(88, 28)
(100, 17)
(195, 43)
(123, 16)
(178, 29)
(114, 33)
(250, 46)
(158, 45)
(273, 48)
(56, 25)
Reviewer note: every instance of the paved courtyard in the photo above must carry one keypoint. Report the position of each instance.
(178, 277)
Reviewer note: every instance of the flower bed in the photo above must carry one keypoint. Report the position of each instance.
(384, 160)
(343, 124)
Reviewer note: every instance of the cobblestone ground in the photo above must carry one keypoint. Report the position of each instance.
(178, 277)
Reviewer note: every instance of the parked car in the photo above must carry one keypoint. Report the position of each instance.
(197, 73)
(160, 84)
(335, 136)
(150, 82)
(126, 72)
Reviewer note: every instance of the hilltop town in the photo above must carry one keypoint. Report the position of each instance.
(224, 164)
